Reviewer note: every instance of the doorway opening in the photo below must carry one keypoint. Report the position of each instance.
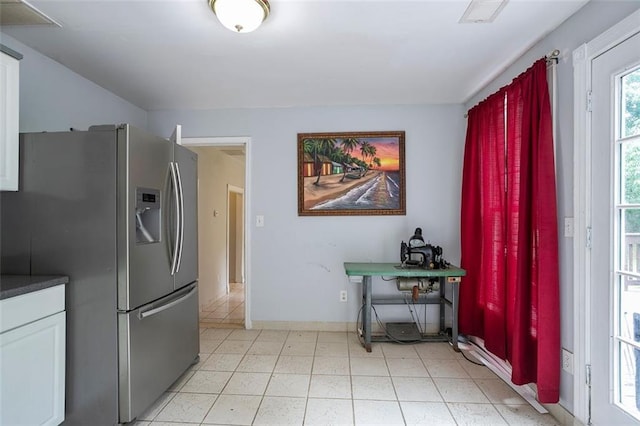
(223, 245)
(235, 257)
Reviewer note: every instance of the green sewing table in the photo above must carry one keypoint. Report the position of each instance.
(451, 275)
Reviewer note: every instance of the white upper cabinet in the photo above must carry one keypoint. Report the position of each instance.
(9, 108)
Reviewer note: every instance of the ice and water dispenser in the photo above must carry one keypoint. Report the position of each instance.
(147, 215)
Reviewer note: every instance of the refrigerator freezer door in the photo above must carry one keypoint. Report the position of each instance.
(143, 171)
(157, 343)
(187, 166)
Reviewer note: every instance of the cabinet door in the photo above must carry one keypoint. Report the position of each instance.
(9, 102)
(32, 361)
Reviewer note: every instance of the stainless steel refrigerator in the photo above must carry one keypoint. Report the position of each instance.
(115, 209)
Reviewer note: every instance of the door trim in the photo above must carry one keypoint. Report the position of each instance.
(246, 142)
(231, 189)
(583, 57)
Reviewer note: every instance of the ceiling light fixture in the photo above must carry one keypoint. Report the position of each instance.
(241, 16)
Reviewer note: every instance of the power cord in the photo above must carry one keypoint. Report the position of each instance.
(393, 339)
(357, 325)
(415, 317)
(465, 356)
(389, 336)
(470, 360)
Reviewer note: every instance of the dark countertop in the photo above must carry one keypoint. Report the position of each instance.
(16, 285)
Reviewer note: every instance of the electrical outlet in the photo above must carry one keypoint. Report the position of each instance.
(567, 361)
(343, 296)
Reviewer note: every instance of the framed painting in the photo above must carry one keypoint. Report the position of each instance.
(352, 173)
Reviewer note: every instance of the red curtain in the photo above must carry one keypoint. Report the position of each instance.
(510, 296)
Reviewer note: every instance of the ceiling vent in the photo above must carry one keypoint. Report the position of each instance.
(233, 152)
(482, 11)
(19, 12)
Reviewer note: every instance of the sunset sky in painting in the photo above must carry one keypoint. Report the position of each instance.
(386, 151)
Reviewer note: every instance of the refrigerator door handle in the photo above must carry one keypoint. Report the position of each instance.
(181, 216)
(176, 195)
(183, 297)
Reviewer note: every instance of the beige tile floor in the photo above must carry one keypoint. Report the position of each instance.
(260, 377)
(227, 310)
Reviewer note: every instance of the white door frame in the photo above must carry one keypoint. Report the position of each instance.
(583, 57)
(246, 142)
(232, 189)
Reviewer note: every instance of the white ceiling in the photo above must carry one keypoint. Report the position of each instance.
(174, 54)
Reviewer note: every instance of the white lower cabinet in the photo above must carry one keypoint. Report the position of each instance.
(32, 372)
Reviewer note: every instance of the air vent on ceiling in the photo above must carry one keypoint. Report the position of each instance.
(233, 152)
(482, 11)
(19, 12)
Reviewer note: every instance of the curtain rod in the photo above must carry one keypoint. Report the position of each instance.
(551, 57)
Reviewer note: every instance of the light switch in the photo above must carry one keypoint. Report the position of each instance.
(259, 221)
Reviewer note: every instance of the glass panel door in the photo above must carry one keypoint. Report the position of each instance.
(615, 197)
(627, 243)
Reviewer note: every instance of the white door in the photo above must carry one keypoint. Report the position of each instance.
(615, 255)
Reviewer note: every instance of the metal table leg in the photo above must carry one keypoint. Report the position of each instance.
(366, 314)
(455, 287)
(441, 289)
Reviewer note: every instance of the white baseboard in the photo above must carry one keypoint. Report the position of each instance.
(562, 415)
(304, 325)
(528, 392)
(323, 326)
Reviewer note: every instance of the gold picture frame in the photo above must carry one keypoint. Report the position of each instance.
(351, 173)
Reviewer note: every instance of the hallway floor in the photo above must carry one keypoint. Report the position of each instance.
(226, 311)
(258, 377)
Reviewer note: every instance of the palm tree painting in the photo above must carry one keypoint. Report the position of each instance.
(351, 173)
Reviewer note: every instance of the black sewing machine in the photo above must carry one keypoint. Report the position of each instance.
(421, 255)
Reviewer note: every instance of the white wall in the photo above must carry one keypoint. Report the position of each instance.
(54, 98)
(297, 262)
(590, 21)
(215, 171)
